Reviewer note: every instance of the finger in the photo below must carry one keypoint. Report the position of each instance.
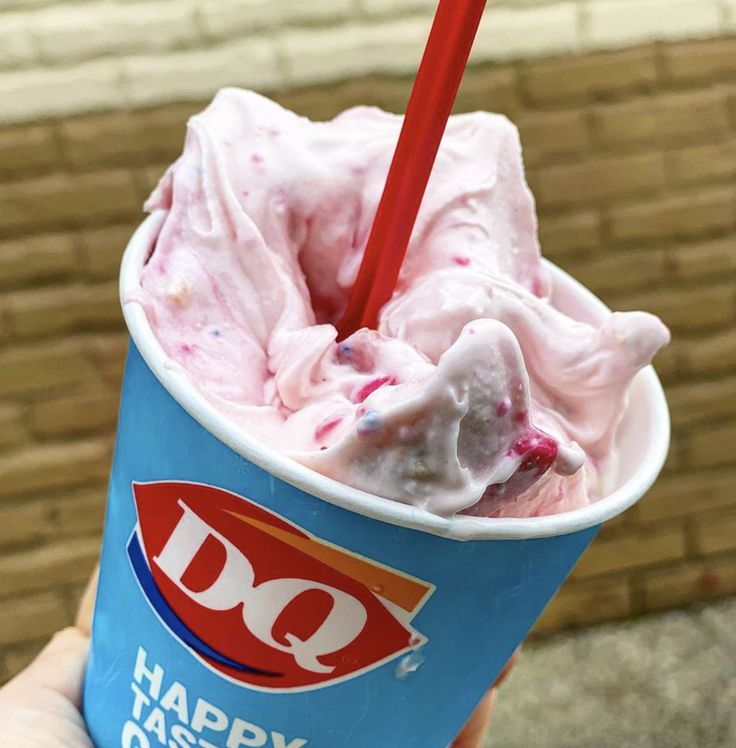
(507, 668)
(59, 667)
(87, 604)
(477, 726)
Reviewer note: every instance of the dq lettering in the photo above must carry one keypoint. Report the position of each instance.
(264, 603)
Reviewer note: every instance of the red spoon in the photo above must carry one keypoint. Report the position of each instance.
(432, 98)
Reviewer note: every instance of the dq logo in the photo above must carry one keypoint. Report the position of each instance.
(260, 600)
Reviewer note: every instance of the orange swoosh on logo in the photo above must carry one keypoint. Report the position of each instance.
(404, 591)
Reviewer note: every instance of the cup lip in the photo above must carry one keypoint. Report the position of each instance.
(458, 527)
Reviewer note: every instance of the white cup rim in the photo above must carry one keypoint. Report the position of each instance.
(459, 527)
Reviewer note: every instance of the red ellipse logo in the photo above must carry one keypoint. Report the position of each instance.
(261, 601)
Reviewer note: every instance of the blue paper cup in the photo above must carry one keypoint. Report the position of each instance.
(245, 600)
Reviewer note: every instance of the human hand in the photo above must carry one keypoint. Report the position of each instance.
(40, 707)
(477, 726)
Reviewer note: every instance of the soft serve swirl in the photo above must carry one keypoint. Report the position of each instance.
(474, 395)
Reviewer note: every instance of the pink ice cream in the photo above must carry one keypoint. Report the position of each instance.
(474, 395)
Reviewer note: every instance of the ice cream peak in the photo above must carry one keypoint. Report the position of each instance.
(474, 395)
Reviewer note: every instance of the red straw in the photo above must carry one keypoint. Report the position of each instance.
(432, 98)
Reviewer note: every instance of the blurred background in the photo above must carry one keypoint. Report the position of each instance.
(627, 111)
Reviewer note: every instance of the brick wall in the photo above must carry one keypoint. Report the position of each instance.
(68, 56)
(632, 156)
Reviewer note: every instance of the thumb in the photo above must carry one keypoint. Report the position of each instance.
(59, 667)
